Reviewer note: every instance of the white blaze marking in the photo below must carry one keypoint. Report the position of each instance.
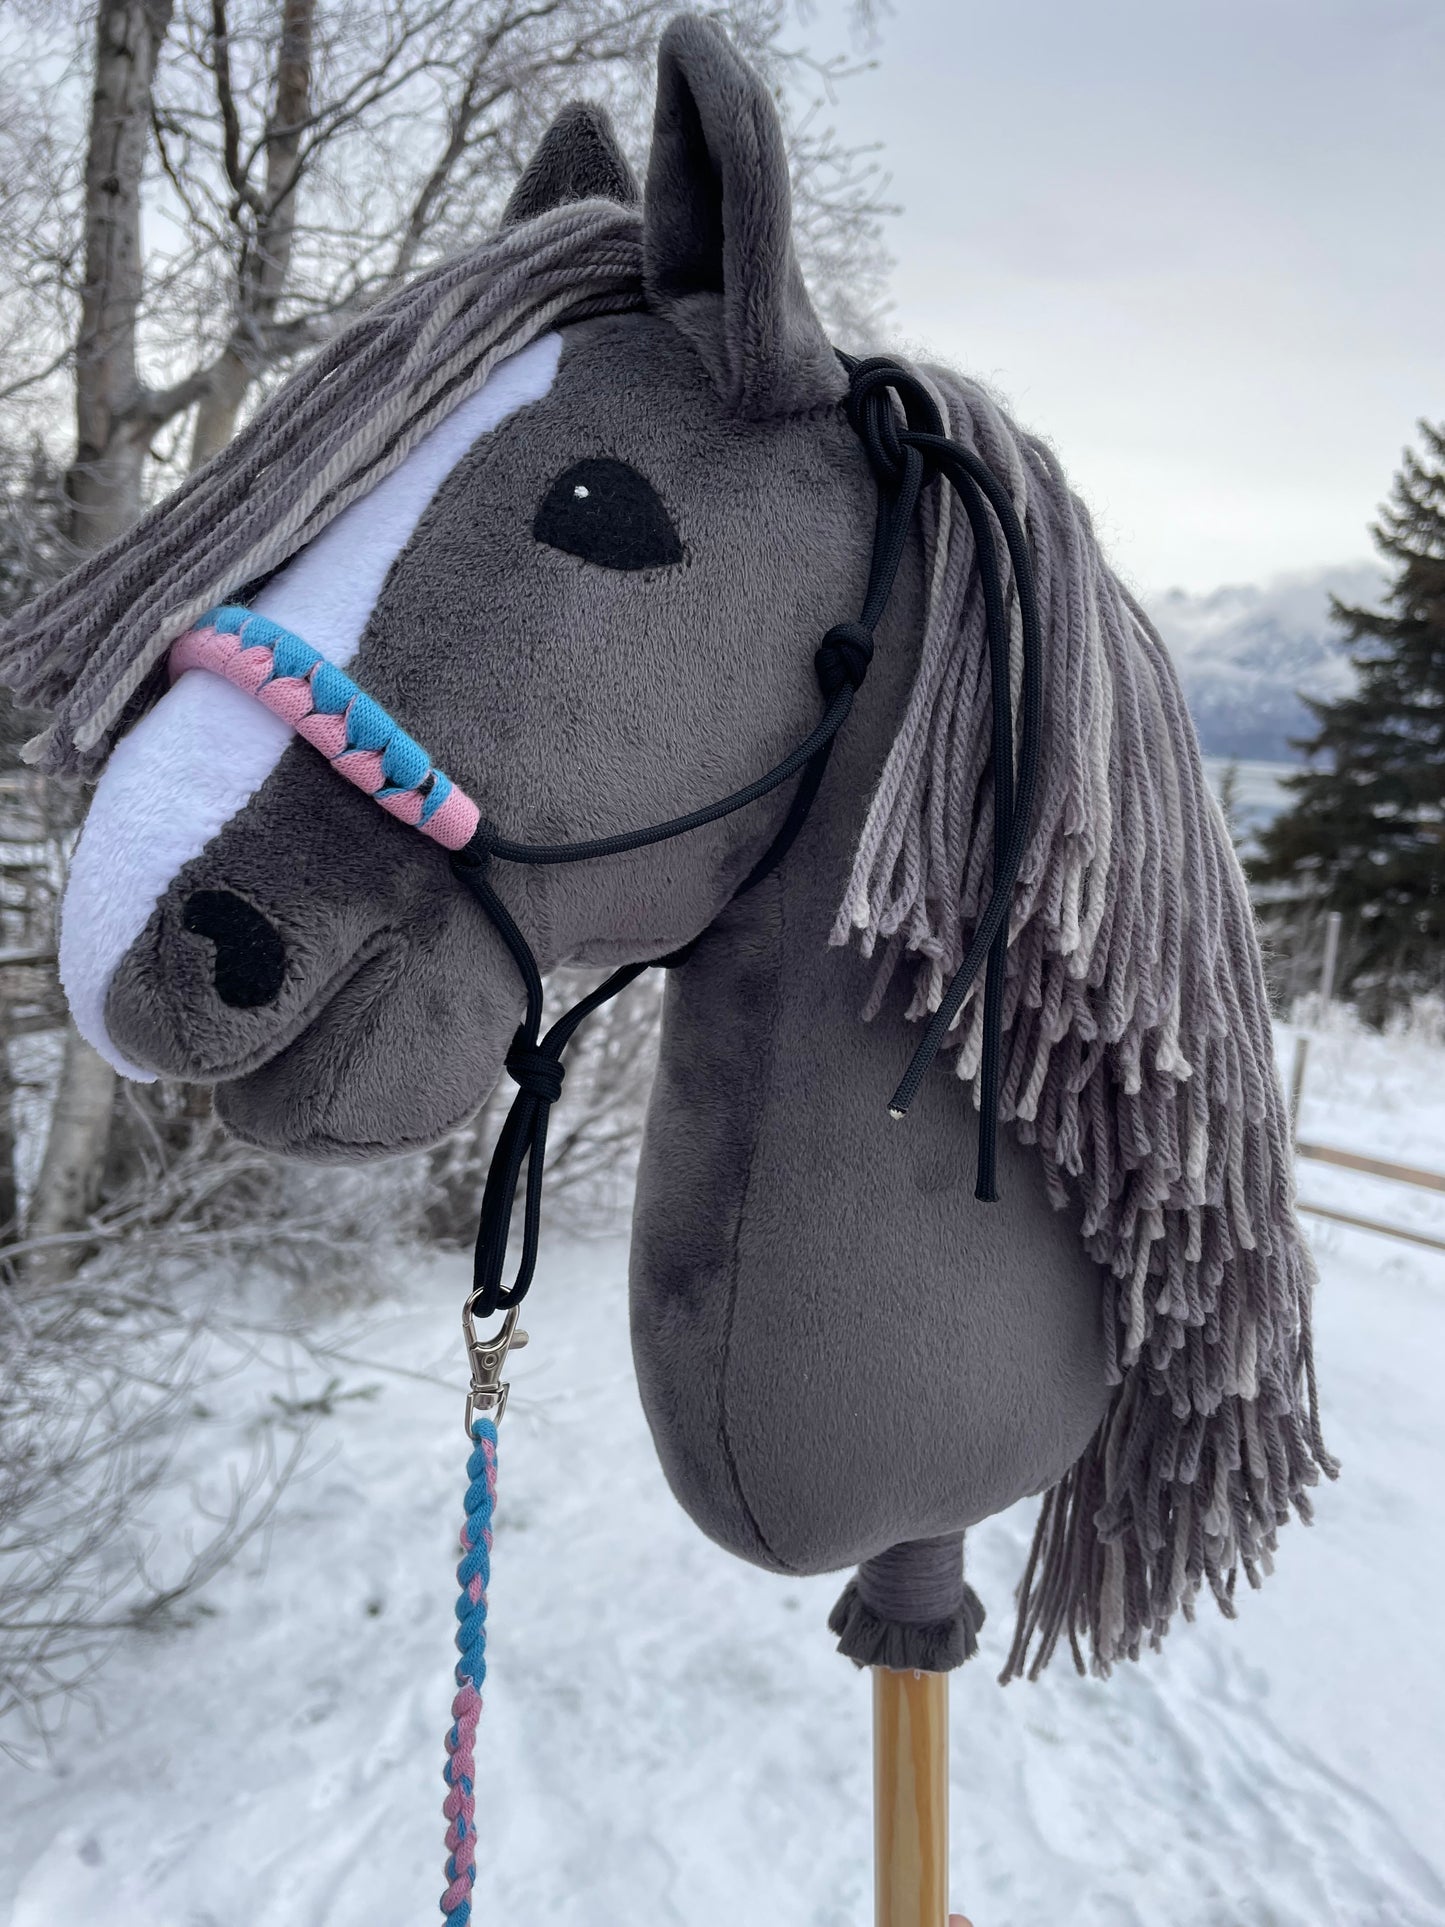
(196, 759)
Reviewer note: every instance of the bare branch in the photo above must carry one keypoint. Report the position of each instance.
(37, 375)
(236, 174)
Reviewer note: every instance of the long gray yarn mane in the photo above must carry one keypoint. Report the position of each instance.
(1139, 1054)
(1139, 1060)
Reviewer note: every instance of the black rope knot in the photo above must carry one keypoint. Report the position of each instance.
(474, 854)
(534, 1070)
(843, 657)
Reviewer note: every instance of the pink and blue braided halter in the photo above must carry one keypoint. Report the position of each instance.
(321, 702)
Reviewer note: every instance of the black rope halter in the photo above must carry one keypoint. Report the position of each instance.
(905, 452)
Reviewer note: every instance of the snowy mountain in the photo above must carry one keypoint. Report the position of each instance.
(1246, 651)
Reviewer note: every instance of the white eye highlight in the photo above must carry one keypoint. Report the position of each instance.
(581, 491)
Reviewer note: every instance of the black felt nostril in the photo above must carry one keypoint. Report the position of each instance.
(250, 956)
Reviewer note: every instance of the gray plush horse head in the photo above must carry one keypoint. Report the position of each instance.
(574, 511)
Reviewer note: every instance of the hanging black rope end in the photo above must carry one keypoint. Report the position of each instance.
(901, 1102)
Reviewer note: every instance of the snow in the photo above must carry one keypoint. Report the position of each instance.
(669, 1737)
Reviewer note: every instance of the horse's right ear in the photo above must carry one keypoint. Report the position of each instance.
(718, 256)
(579, 159)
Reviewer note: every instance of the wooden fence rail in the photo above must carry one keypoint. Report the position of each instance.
(1374, 1168)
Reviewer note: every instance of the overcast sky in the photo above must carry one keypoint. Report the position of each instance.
(1200, 246)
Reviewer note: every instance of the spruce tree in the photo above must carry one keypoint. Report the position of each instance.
(1365, 833)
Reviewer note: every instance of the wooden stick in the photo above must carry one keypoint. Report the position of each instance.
(910, 1798)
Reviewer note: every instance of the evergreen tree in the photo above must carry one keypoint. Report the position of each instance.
(1365, 834)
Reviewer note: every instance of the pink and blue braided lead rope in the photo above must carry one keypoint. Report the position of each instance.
(363, 744)
(322, 703)
(460, 1771)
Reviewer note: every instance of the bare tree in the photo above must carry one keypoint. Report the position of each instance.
(115, 414)
(115, 417)
(292, 159)
(33, 553)
(264, 213)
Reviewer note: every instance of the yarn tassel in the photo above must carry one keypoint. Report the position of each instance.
(910, 1608)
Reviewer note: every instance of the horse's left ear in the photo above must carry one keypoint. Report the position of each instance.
(718, 256)
(579, 159)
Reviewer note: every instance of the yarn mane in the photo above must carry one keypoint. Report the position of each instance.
(1138, 1058)
(1138, 1054)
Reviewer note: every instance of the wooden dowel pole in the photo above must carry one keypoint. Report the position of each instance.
(910, 1798)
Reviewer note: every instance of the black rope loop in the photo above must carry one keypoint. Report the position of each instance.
(843, 657)
(535, 1070)
(872, 385)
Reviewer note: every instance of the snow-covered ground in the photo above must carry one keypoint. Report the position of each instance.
(669, 1737)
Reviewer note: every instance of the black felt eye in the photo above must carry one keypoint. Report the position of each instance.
(607, 513)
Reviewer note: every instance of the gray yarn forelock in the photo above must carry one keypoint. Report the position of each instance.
(91, 649)
(1139, 1059)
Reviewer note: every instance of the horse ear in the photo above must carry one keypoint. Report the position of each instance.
(718, 256)
(579, 159)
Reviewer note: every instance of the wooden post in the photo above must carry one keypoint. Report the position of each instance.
(910, 1798)
(1297, 1080)
(1302, 1042)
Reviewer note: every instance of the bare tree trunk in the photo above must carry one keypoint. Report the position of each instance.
(68, 1186)
(9, 1205)
(219, 407)
(104, 486)
(112, 432)
(265, 259)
